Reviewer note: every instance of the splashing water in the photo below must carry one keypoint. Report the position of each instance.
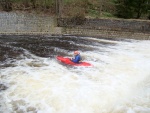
(119, 82)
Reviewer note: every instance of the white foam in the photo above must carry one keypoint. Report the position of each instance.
(119, 82)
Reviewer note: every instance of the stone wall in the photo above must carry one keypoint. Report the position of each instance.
(108, 24)
(109, 28)
(26, 23)
(107, 33)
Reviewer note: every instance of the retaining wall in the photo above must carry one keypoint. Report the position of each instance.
(110, 28)
(108, 24)
(107, 33)
(24, 23)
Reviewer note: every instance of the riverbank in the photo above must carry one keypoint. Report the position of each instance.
(28, 23)
(108, 34)
(110, 28)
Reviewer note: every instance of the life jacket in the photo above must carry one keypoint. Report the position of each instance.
(77, 59)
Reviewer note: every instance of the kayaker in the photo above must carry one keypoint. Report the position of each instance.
(77, 57)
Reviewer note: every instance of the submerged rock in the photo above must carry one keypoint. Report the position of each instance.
(31, 109)
(2, 87)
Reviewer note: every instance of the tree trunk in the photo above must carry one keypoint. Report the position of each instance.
(59, 6)
(100, 7)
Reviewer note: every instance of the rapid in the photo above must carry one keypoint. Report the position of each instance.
(118, 82)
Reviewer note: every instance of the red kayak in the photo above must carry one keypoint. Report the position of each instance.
(67, 61)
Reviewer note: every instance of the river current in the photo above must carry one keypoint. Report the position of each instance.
(118, 82)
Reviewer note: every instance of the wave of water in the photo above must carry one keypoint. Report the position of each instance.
(119, 82)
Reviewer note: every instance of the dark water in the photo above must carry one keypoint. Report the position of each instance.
(12, 46)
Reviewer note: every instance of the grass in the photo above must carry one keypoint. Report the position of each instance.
(95, 14)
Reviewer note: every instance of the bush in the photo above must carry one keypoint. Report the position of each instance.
(78, 19)
(6, 5)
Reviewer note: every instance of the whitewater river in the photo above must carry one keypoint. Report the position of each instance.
(35, 82)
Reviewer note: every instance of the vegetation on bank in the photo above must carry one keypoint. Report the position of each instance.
(127, 9)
